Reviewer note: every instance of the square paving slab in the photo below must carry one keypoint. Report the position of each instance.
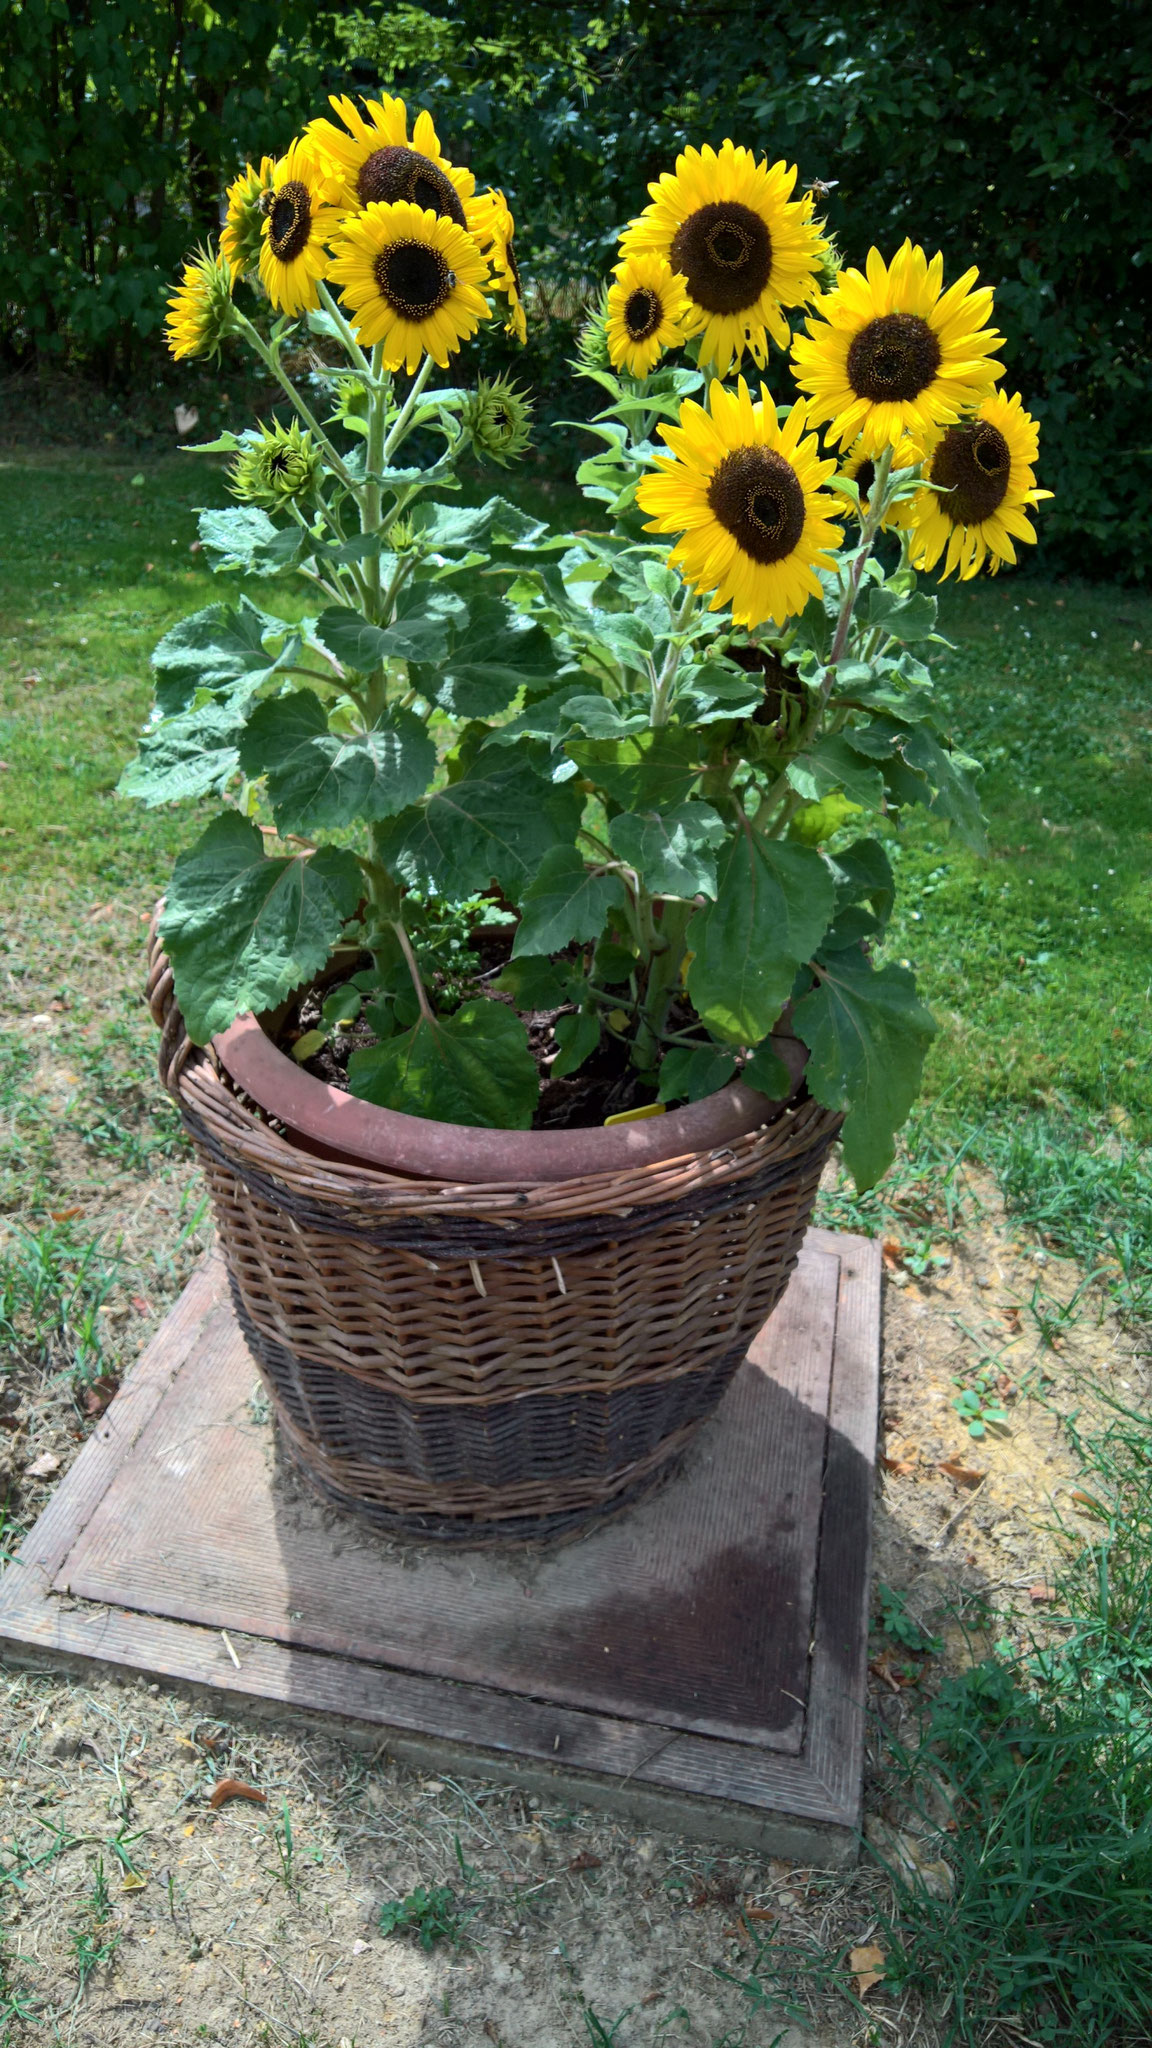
(700, 1661)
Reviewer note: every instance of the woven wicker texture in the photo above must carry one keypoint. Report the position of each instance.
(491, 1361)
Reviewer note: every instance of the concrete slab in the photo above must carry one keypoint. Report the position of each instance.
(700, 1661)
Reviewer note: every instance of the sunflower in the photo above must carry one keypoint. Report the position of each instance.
(200, 310)
(492, 227)
(243, 228)
(299, 214)
(412, 279)
(743, 246)
(983, 470)
(860, 469)
(893, 353)
(744, 490)
(375, 161)
(646, 309)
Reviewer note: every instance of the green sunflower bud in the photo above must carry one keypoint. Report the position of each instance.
(281, 463)
(592, 340)
(497, 419)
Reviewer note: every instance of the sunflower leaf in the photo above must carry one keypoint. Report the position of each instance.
(191, 755)
(220, 649)
(654, 770)
(243, 930)
(494, 651)
(565, 902)
(673, 852)
(474, 1067)
(772, 908)
(867, 1032)
(323, 780)
(494, 824)
(689, 1072)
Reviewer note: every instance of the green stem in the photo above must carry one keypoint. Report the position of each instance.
(405, 944)
(400, 425)
(351, 344)
(877, 506)
(373, 464)
(270, 357)
(663, 981)
(662, 693)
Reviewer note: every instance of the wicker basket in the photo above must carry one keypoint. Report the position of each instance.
(491, 1362)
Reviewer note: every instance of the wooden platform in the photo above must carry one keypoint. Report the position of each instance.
(699, 1662)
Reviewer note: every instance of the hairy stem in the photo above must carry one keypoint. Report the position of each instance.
(270, 357)
(662, 693)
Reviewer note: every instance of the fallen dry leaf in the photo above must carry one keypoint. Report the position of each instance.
(98, 1395)
(65, 1215)
(234, 1788)
(964, 1475)
(1089, 1501)
(901, 1466)
(133, 1882)
(867, 1967)
(1041, 1595)
(142, 1305)
(585, 1861)
(760, 1913)
(44, 1466)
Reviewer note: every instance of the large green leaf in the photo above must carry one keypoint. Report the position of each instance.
(495, 823)
(471, 1068)
(241, 930)
(422, 631)
(449, 529)
(652, 770)
(771, 911)
(689, 1072)
(673, 852)
(565, 902)
(833, 763)
(867, 1033)
(322, 780)
(220, 649)
(494, 651)
(243, 537)
(865, 892)
(194, 754)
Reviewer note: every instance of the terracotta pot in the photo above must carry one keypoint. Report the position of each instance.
(478, 1335)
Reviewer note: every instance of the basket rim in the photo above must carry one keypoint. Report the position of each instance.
(365, 1133)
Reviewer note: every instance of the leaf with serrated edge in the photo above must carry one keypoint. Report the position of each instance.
(497, 651)
(220, 649)
(492, 825)
(772, 908)
(689, 1072)
(577, 1035)
(673, 851)
(322, 780)
(474, 1067)
(191, 755)
(833, 763)
(867, 1032)
(534, 982)
(650, 771)
(242, 930)
(566, 902)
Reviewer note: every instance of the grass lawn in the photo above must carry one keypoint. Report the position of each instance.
(1037, 961)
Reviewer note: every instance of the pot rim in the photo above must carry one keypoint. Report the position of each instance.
(329, 1120)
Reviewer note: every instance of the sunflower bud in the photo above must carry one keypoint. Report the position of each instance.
(497, 418)
(592, 340)
(247, 202)
(281, 463)
(200, 311)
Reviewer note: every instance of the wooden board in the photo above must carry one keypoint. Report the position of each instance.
(699, 1661)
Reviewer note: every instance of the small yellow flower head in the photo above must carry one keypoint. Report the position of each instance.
(200, 310)
(985, 486)
(299, 212)
(498, 419)
(647, 306)
(244, 226)
(281, 463)
(492, 227)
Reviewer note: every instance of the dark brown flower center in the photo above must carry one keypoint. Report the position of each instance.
(643, 313)
(865, 478)
(758, 496)
(973, 463)
(894, 357)
(290, 220)
(399, 173)
(724, 251)
(414, 279)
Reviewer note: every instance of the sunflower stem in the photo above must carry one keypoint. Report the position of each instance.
(662, 693)
(877, 505)
(346, 335)
(400, 426)
(373, 464)
(270, 357)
